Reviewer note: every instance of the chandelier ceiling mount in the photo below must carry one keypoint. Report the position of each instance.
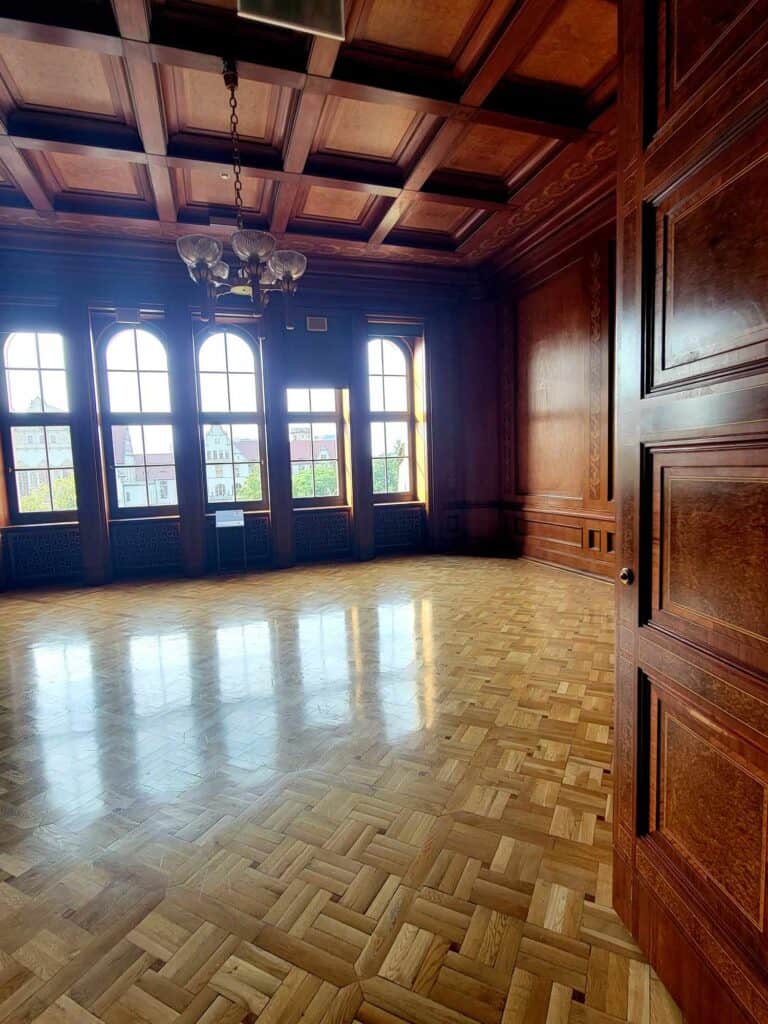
(263, 268)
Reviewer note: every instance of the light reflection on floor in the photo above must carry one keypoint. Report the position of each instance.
(138, 711)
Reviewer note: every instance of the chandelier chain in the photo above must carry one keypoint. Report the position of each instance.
(235, 136)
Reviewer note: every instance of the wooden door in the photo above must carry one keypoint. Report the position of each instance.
(691, 810)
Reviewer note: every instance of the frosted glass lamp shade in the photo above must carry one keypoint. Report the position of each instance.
(220, 271)
(252, 245)
(286, 263)
(195, 249)
(266, 275)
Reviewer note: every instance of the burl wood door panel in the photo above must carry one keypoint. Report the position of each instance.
(691, 826)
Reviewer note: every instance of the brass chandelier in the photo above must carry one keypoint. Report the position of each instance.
(263, 268)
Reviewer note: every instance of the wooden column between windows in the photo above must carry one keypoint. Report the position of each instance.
(278, 447)
(4, 518)
(363, 542)
(86, 450)
(444, 528)
(189, 469)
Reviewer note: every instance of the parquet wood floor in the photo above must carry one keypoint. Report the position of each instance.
(374, 793)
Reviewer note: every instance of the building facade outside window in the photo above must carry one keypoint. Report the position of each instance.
(232, 419)
(316, 437)
(36, 427)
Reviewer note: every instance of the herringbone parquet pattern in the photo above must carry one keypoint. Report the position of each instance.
(371, 793)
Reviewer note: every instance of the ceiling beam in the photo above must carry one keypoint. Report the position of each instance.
(309, 83)
(282, 207)
(448, 136)
(133, 19)
(147, 97)
(391, 218)
(165, 196)
(37, 32)
(526, 21)
(302, 131)
(24, 176)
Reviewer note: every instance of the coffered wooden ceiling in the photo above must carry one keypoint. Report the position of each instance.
(440, 131)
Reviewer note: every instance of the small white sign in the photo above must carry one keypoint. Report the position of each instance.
(229, 517)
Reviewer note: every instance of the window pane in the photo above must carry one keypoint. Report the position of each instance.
(394, 359)
(211, 356)
(24, 391)
(131, 487)
(151, 352)
(397, 438)
(28, 447)
(59, 449)
(123, 391)
(248, 481)
(161, 485)
(302, 485)
(128, 446)
(158, 445)
(398, 475)
(213, 392)
(378, 444)
(242, 392)
(323, 400)
(33, 491)
(55, 391)
(154, 392)
(63, 490)
(396, 394)
(217, 441)
(121, 352)
(298, 399)
(220, 483)
(239, 355)
(374, 356)
(376, 385)
(300, 439)
(51, 349)
(327, 479)
(324, 444)
(379, 476)
(245, 442)
(20, 350)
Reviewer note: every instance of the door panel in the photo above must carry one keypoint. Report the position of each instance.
(691, 822)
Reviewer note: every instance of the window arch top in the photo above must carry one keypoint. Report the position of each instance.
(137, 372)
(387, 376)
(35, 372)
(227, 367)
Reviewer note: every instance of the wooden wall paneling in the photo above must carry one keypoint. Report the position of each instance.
(91, 493)
(692, 478)
(190, 482)
(278, 451)
(360, 462)
(556, 432)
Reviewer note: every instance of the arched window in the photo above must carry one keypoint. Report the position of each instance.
(36, 427)
(138, 434)
(390, 391)
(231, 419)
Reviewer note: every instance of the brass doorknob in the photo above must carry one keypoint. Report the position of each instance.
(626, 576)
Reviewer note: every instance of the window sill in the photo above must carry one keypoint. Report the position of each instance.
(414, 502)
(144, 518)
(42, 525)
(322, 508)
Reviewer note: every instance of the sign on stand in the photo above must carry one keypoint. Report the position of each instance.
(228, 519)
